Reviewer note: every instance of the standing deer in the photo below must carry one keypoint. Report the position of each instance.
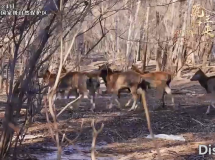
(208, 83)
(131, 80)
(82, 83)
(163, 76)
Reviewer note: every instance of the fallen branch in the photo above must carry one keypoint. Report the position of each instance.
(68, 105)
(95, 134)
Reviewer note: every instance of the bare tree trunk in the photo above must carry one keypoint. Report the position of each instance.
(157, 49)
(116, 37)
(146, 38)
(140, 43)
(131, 19)
(164, 57)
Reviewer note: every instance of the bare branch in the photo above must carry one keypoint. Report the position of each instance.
(95, 134)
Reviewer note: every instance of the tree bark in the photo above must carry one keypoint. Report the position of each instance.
(146, 38)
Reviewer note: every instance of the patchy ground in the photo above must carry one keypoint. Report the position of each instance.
(123, 136)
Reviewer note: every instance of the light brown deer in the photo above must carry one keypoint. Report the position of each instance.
(165, 77)
(128, 79)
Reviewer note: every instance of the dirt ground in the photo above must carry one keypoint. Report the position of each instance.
(124, 132)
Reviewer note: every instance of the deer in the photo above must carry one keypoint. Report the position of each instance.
(49, 78)
(104, 74)
(208, 83)
(165, 77)
(131, 80)
(84, 84)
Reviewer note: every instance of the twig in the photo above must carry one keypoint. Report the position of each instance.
(198, 122)
(64, 135)
(69, 105)
(75, 139)
(95, 134)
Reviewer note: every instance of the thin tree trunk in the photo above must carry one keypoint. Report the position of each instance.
(116, 37)
(131, 19)
(140, 43)
(146, 38)
(133, 29)
(157, 50)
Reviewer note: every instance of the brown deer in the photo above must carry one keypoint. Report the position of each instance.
(49, 78)
(130, 80)
(159, 76)
(208, 83)
(105, 68)
(104, 76)
(84, 84)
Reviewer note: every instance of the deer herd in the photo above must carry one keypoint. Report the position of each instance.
(86, 84)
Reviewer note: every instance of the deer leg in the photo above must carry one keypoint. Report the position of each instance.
(169, 91)
(92, 94)
(59, 94)
(163, 99)
(118, 103)
(135, 97)
(213, 104)
(118, 94)
(114, 97)
(128, 103)
(209, 107)
(208, 110)
(111, 103)
(92, 101)
(69, 93)
(86, 94)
